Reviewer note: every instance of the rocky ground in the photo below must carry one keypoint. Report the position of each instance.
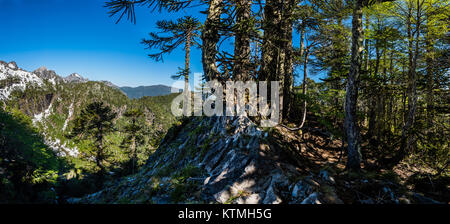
(231, 160)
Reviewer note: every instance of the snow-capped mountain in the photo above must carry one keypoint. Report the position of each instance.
(47, 98)
(13, 78)
(53, 102)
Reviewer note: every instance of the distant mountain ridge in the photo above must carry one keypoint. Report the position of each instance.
(38, 112)
(43, 73)
(52, 102)
(142, 91)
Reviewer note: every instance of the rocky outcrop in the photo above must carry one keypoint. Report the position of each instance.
(12, 78)
(217, 160)
(75, 78)
(46, 74)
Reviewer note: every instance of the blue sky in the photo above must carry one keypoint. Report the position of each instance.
(79, 36)
(71, 36)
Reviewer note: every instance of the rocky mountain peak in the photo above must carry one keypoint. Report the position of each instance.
(75, 77)
(12, 65)
(45, 73)
(41, 69)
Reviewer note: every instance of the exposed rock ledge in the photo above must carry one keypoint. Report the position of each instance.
(216, 160)
(231, 160)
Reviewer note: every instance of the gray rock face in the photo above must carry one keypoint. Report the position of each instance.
(76, 78)
(237, 166)
(12, 65)
(46, 74)
(312, 199)
(324, 175)
(301, 190)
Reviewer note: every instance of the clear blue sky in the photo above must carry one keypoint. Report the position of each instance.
(71, 36)
(79, 36)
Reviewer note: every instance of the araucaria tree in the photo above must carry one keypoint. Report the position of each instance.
(93, 124)
(183, 32)
(243, 29)
(277, 50)
(134, 138)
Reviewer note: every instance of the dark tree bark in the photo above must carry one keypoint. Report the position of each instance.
(366, 46)
(242, 43)
(272, 49)
(100, 154)
(289, 58)
(373, 98)
(100, 157)
(210, 38)
(351, 120)
(187, 93)
(430, 63)
(407, 141)
(351, 124)
(277, 53)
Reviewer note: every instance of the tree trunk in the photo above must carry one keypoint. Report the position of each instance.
(133, 155)
(351, 124)
(100, 157)
(407, 139)
(391, 113)
(133, 148)
(289, 58)
(187, 93)
(210, 38)
(277, 61)
(407, 134)
(430, 77)
(366, 46)
(242, 43)
(272, 48)
(302, 41)
(373, 98)
(305, 87)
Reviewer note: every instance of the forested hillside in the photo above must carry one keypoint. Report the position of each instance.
(28, 167)
(39, 113)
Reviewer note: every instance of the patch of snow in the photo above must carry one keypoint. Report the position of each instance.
(38, 118)
(23, 80)
(61, 149)
(52, 81)
(68, 117)
(12, 66)
(43, 115)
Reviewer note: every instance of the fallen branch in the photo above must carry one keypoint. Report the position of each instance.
(291, 129)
